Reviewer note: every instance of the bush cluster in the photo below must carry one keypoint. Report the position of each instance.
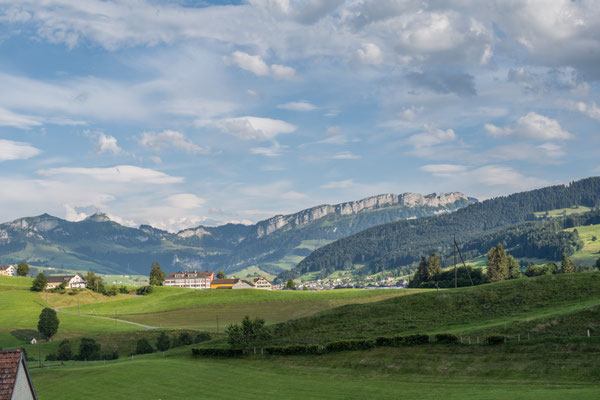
(446, 338)
(348, 345)
(495, 339)
(295, 349)
(144, 290)
(214, 352)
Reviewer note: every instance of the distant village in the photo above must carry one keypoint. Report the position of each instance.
(207, 280)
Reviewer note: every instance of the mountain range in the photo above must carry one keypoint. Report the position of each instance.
(271, 246)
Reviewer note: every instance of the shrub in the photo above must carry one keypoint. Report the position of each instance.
(495, 339)
(143, 347)
(51, 357)
(412, 340)
(88, 350)
(124, 290)
(184, 339)
(163, 343)
(111, 291)
(202, 337)
(213, 352)
(347, 345)
(111, 356)
(65, 351)
(144, 290)
(446, 338)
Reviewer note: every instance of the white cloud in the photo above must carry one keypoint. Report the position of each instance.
(432, 137)
(370, 53)
(9, 118)
(283, 72)
(298, 106)
(443, 170)
(104, 143)
(251, 128)
(170, 138)
(10, 150)
(259, 67)
(338, 184)
(274, 151)
(531, 126)
(345, 155)
(118, 174)
(185, 201)
(254, 64)
(591, 110)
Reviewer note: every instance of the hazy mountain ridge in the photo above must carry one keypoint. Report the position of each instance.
(101, 244)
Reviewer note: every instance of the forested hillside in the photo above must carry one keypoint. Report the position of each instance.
(400, 245)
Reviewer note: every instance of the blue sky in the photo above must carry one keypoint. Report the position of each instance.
(180, 113)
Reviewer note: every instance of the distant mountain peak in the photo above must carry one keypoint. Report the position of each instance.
(98, 217)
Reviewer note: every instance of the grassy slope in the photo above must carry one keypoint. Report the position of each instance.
(467, 310)
(535, 371)
(591, 248)
(198, 309)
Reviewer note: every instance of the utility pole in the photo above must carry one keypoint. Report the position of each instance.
(455, 272)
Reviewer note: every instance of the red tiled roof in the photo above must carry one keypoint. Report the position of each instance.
(9, 366)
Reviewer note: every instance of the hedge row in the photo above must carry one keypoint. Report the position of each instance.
(344, 345)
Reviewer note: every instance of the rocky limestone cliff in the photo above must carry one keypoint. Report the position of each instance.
(278, 222)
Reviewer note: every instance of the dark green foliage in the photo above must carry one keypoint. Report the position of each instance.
(290, 284)
(48, 323)
(89, 350)
(495, 339)
(111, 291)
(65, 351)
(514, 269)
(221, 275)
(497, 264)
(184, 339)
(446, 338)
(446, 279)
(22, 269)
(298, 349)
(144, 290)
(348, 345)
(94, 282)
(539, 270)
(399, 245)
(217, 352)
(51, 357)
(163, 343)
(143, 346)
(111, 356)
(39, 283)
(124, 290)
(598, 263)
(157, 275)
(414, 340)
(248, 333)
(567, 266)
(202, 337)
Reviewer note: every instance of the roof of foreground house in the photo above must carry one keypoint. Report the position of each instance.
(9, 368)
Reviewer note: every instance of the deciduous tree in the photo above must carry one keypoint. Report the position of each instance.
(39, 283)
(163, 343)
(290, 284)
(157, 275)
(48, 323)
(22, 269)
(221, 275)
(65, 351)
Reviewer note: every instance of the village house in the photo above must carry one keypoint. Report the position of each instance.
(190, 279)
(8, 270)
(71, 281)
(15, 382)
(262, 283)
(233, 283)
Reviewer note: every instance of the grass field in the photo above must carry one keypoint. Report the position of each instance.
(591, 248)
(535, 371)
(563, 212)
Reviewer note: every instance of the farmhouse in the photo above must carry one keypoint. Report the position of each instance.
(15, 382)
(71, 281)
(262, 283)
(233, 283)
(9, 270)
(190, 279)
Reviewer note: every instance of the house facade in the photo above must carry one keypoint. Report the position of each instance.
(233, 283)
(8, 270)
(190, 279)
(15, 382)
(262, 283)
(71, 281)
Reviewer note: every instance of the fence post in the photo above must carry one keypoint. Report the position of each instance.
(588, 332)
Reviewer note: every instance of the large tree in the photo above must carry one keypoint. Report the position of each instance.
(248, 333)
(94, 282)
(497, 264)
(22, 269)
(221, 275)
(163, 343)
(65, 351)
(434, 266)
(157, 275)
(567, 266)
(514, 269)
(89, 350)
(39, 283)
(290, 284)
(48, 323)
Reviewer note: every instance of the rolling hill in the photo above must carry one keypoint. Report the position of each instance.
(270, 246)
(399, 245)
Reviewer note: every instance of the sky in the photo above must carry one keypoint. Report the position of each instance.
(181, 113)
